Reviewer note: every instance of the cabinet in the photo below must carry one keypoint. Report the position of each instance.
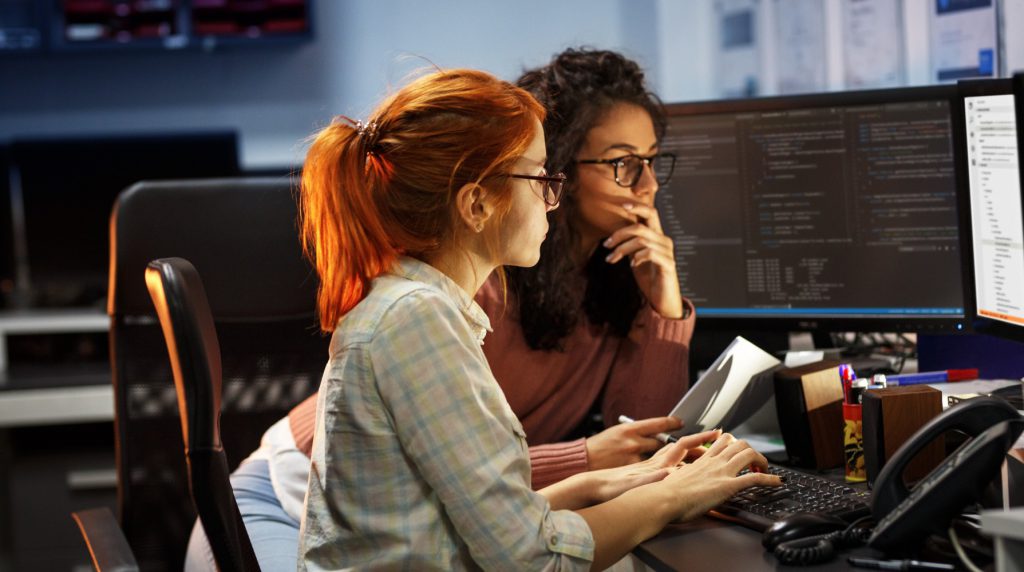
(56, 435)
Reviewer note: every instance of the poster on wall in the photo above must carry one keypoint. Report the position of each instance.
(873, 53)
(800, 52)
(1011, 34)
(963, 39)
(738, 54)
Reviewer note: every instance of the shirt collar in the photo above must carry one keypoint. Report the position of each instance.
(413, 269)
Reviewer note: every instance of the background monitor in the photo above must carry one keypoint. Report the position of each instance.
(6, 229)
(63, 192)
(821, 212)
(21, 26)
(987, 145)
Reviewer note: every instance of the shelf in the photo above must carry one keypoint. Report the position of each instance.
(56, 406)
(53, 321)
(22, 322)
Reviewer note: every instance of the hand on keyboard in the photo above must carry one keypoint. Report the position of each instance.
(715, 476)
(759, 507)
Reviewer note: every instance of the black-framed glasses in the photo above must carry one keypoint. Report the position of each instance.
(552, 189)
(629, 168)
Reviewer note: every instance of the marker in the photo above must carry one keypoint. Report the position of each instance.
(857, 389)
(941, 376)
(897, 564)
(663, 437)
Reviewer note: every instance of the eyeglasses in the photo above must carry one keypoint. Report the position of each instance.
(629, 168)
(553, 185)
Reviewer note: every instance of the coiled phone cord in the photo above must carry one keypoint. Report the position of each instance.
(822, 547)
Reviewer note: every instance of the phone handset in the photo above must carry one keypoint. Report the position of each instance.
(906, 516)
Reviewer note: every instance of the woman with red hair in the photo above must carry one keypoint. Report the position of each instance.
(418, 461)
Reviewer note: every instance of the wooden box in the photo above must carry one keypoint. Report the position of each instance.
(809, 401)
(890, 417)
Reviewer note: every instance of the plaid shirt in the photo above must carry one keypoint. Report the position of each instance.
(418, 461)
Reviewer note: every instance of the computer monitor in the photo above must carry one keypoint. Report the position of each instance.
(63, 192)
(825, 212)
(6, 229)
(987, 139)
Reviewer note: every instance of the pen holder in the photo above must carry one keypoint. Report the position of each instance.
(853, 443)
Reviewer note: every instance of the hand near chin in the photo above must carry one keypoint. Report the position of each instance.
(652, 258)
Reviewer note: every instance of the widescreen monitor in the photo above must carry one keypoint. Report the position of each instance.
(66, 188)
(987, 140)
(827, 212)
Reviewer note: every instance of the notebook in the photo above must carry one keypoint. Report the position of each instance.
(735, 388)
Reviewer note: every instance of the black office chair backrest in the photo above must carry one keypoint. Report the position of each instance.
(187, 324)
(241, 234)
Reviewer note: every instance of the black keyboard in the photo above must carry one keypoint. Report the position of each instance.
(759, 507)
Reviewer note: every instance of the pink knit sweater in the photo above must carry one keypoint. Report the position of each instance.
(642, 375)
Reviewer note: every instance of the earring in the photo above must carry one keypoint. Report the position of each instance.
(479, 228)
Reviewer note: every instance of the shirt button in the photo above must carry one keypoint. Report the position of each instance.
(554, 540)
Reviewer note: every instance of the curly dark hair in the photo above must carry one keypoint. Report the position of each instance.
(578, 87)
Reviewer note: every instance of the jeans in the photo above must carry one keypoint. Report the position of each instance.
(274, 534)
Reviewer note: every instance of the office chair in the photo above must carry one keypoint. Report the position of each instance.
(242, 235)
(185, 318)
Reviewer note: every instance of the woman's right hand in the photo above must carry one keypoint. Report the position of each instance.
(714, 477)
(628, 443)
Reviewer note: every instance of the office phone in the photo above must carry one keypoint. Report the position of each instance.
(904, 516)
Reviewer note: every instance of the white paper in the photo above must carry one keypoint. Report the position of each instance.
(873, 55)
(800, 52)
(797, 359)
(730, 391)
(738, 54)
(963, 39)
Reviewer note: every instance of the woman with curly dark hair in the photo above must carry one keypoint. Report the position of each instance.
(599, 323)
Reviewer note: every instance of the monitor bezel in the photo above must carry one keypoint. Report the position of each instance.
(897, 323)
(975, 88)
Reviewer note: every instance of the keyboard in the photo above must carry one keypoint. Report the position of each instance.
(759, 507)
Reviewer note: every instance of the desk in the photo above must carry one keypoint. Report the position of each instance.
(709, 545)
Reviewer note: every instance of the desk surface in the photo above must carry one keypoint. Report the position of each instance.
(709, 545)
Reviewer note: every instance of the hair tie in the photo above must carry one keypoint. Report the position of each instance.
(368, 134)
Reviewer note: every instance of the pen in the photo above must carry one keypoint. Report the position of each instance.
(897, 564)
(663, 437)
(941, 376)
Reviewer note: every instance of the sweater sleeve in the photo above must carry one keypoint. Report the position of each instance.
(651, 370)
(302, 421)
(556, 461)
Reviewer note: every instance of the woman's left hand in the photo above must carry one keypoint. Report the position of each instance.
(652, 257)
(610, 483)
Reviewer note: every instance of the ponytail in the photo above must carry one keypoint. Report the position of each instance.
(341, 225)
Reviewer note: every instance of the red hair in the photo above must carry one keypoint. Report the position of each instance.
(372, 193)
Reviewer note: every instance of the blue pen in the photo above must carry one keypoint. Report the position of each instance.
(941, 376)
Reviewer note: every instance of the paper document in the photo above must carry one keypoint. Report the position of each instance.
(737, 385)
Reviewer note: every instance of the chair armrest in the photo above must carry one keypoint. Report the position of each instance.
(106, 542)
